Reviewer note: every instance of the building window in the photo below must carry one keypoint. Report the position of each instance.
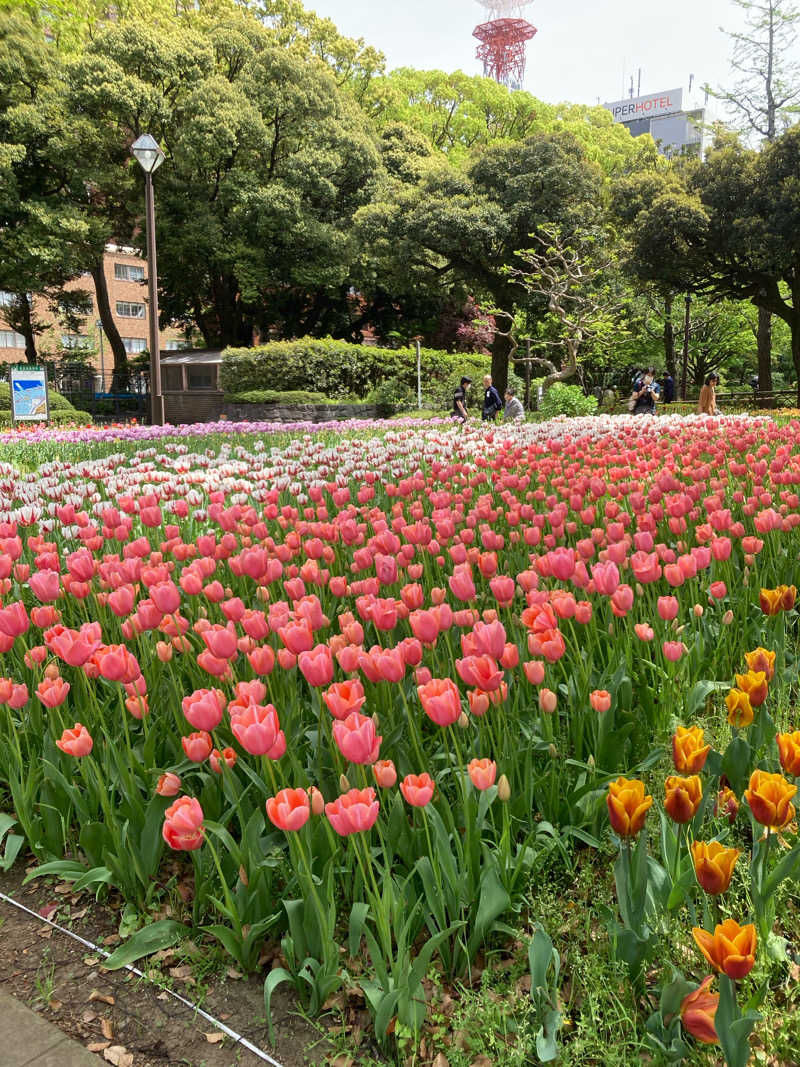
(202, 378)
(177, 346)
(127, 272)
(127, 310)
(134, 345)
(6, 299)
(172, 379)
(74, 340)
(11, 339)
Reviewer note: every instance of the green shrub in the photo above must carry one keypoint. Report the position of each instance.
(563, 399)
(392, 393)
(340, 369)
(273, 396)
(57, 418)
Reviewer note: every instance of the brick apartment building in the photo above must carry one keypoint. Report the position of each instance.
(126, 278)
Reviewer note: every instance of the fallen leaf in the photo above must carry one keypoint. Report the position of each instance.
(48, 910)
(118, 1055)
(482, 1061)
(55, 1005)
(163, 996)
(342, 1060)
(234, 974)
(64, 887)
(214, 1038)
(112, 939)
(107, 1028)
(223, 1016)
(441, 1060)
(91, 961)
(105, 997)
(46, 933)
(98, 1046)
(181, 972)
(88, 1017)
(78, 914)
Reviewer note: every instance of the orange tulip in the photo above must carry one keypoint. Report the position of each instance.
(773, 601)
(769, 798)
(627, 806)
(683, 796)
(754, 683)
(689, 754)
(789, 752)
(698, 1011)
(761, 659)
(740, 710)
(713, 865)
(731, 949)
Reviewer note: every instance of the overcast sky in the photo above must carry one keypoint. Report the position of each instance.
(580, 51)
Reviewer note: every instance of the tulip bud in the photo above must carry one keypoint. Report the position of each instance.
(262, 593)
(164, 651)
(463, 720)
(698, 610)
(727, 618)
(503, 789)
(317, 801)
(552, 750)
(375, 719)
(639, 589)
(344, 785)
(548, 701)
(611, 628)
(202, 612)
(51, 671)
(746, 576)
(590, 762)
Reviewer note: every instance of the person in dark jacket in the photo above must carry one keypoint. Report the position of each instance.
(460, 400)
(491, 400)
(669, 388)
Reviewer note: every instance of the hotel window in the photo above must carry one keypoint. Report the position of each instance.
(127, 310)
(134, 345)
(11, 339)
(127, 272)
(176, 346)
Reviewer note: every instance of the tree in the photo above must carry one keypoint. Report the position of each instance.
(765, 99)
(39, 231)
(455, 232)
(573, 275)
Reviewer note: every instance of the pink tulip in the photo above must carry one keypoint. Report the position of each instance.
(600, 700)
(417, 789)
(203, 708)
(342, 698)
(76, 742)
(183, 825)
(673, 650)
(353, 812)
(356, 738)
(52, 691)
(316, 666)
(169, 785)
(440, 701)
(197, 746)
(482, 773)
(384, 773)
(289, 809)
(668, 608)
(14, 619)
(256, 728)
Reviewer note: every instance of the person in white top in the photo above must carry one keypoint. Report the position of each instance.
(514, 411)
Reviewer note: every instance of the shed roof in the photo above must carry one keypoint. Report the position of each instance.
(196, 357)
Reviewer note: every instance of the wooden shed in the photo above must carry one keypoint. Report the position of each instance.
(190, 385)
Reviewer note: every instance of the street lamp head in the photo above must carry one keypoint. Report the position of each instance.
(148, 152)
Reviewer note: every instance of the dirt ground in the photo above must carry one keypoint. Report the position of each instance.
(112, 1010)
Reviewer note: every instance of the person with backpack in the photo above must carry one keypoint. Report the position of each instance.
(460, 399)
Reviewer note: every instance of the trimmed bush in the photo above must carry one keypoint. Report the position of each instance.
(273, 396)
(57, 418)
(339, 369)
(563, 399)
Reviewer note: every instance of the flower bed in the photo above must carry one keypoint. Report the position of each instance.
(372, 686)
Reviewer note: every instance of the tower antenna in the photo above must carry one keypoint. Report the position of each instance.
(503, 39)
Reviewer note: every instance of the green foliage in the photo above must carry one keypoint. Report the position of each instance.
(563, 399)
(274, 396)
(342, 370)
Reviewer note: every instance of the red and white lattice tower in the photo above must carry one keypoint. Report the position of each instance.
(503, 39)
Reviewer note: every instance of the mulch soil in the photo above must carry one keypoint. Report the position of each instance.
(127, 1020)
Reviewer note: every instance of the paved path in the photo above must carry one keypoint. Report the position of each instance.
(27, 1040)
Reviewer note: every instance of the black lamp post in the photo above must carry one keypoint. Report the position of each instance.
(686, 327)
(150, 157)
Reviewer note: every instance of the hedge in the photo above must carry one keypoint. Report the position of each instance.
(273, 396)
(59, 417)
(339, 369)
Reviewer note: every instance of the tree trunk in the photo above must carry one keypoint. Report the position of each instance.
(764, 357)
(795, 327)
(26, 327)
(120, 379)
(501, 347)
(669, 338)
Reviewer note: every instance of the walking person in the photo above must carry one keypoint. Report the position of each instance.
(514, 411)
(491, 400)
(460, 400)
(669, 388)
(707, 404)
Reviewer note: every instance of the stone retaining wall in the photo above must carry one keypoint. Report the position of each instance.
(302, 412)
